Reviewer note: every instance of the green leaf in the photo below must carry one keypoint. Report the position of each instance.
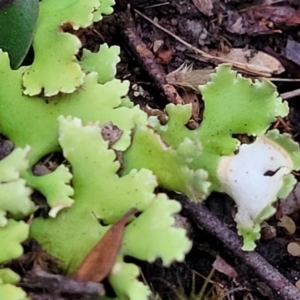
(159, 217)
(11, 292)
(17, 23)
(101, 194)
(105, 9)
(9, 276)
(123, 278)
(12, 235)
(109, 56)
(55, 68)
(171, 166)
(55, 186)
(14, 194)
(236, 105)
(94, 102)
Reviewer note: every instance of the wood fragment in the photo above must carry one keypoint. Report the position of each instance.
(58, 284)
(205, 219)
(44, 296)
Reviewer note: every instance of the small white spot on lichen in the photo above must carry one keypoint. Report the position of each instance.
(116, 268)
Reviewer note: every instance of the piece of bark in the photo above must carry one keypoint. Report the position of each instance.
(199, 214)
(58, 284)
(33, 296)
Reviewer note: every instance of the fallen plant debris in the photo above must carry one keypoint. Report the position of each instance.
(99, 262)
(58, 284)
(254, 70)
(147, 59)
(115, 156)
(262, 19)
(222, 266)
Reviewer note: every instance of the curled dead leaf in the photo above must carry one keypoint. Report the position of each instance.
(223, 267)
(252, 57)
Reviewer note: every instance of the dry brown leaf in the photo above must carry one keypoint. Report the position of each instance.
(288, 224)
(252, 57)
(98, 263)
(204, 6)
(262, 19)
(294, 249)
(223, 267)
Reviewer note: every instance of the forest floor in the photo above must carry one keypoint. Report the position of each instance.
(156, 39)
(148, 55)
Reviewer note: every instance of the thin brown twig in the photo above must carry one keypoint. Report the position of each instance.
(286, 127)
(157, 5)
(276, 124)
(148, 61)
